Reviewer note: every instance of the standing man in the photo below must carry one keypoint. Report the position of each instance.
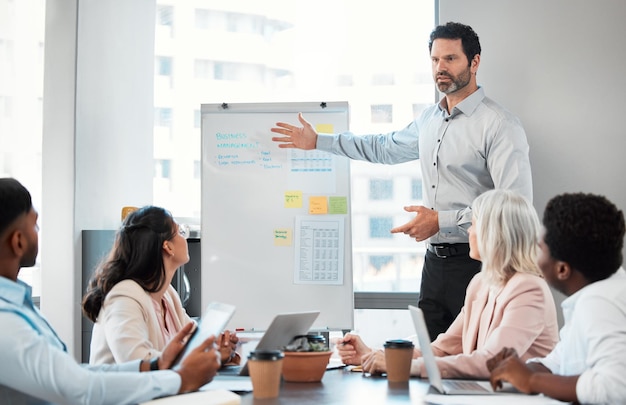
(580, 256)
(35, 366)
(467, 144)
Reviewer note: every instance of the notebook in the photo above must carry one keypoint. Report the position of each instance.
(447, 386)
(213, 321)
(282, 329)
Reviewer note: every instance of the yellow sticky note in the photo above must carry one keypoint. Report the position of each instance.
(282, 237)
(325, 128)
(293, 199)
(318, 205)
(338, 205)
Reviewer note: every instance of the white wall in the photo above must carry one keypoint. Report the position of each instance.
(97, 136)
(558, 65)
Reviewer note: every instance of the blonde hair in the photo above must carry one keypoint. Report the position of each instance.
(507, 233)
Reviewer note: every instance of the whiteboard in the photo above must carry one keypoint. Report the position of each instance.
(275, 228)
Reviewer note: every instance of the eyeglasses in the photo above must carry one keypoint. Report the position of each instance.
(183, 230)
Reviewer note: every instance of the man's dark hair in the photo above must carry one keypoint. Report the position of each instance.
(15, 200)
(586, 231)
(453, 30)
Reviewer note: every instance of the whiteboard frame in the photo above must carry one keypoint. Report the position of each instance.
(232, 260)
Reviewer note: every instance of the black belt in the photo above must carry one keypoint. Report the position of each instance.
(443, 250)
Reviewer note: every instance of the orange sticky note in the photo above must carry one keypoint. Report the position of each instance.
(318, 205)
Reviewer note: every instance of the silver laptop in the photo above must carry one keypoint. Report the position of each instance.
(282, 329)
(449, 387)
(213, 321)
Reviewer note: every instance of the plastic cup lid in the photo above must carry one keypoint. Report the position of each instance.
(266, 355)
(398, 344)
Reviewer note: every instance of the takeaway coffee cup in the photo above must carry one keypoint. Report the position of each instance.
(398, 356)
(265, 368)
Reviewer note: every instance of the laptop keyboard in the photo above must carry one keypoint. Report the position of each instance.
(456, 385)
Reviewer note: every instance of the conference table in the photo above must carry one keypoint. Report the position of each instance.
(342, 386)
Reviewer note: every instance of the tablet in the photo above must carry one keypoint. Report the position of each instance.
(214, 320)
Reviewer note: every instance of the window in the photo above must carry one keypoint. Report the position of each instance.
(245, 23)
(7, 63)
(381, 189)
(278, 53)
(382, 113)
(202, 19)
(416, 189)
(162, 168)
(202, 69)
(380, 261)
(165, 19)
(163, 66)
(239, 72)
(197, 170)
(383, 79)
(345, 80)
(380, 226)
(6, 106)
(418, 108)
(197, 119)
(21, 94)
(163, 117)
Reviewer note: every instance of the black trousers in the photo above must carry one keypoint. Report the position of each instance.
(442, 291)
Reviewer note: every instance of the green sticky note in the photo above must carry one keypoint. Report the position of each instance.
(338, 205)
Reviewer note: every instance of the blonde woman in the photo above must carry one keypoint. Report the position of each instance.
(507, 304)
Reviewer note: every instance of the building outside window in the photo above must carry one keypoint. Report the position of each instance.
(381, 189)
(275, 51)
(163, 69)
(380, 226)
(21, 95)
(382, 114)
(251, 51)
(202, 19)
(163, 117)
(162, 168)
(165, 18)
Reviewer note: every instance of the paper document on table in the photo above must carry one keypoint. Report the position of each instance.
(509, 399)
(231, 383)
(214, 397)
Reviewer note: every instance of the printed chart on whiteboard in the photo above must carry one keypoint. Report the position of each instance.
(319, 250)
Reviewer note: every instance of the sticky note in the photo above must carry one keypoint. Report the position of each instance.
(338, 205)
(325, 128)
(293, 199)
(282, 237)
(318, 205)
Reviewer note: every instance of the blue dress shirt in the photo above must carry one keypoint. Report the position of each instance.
(35, 367)
(476, 147)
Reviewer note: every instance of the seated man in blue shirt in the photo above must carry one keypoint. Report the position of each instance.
(36, 367)
(581, 255)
